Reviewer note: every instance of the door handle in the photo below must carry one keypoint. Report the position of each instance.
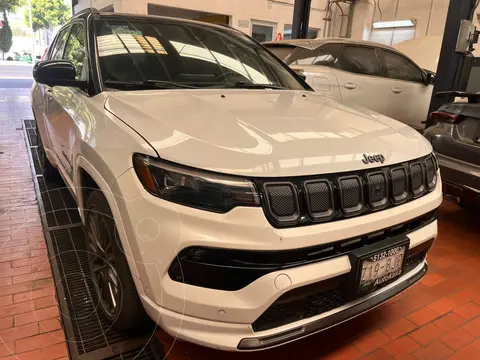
(350, 86)
(397, 90)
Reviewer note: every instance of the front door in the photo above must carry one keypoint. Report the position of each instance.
(63, 103)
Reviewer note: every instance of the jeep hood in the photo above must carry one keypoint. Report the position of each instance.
(263, 132)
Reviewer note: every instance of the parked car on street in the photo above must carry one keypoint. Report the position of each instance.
(363, 73)
(455, 137)
(219, 193)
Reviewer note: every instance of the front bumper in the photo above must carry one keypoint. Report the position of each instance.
(231, 337)
(158, 230)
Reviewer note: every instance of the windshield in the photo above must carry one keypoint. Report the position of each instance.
(151, 53)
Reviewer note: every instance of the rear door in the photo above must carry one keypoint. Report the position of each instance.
(359, 72)
(409, 96)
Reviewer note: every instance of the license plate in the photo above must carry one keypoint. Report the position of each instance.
(381, 268)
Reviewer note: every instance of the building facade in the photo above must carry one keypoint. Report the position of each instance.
(265, 20)
(272, 19)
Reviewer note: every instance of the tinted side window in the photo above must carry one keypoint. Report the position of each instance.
(360, 60)
(401, 68)
(75, 51)
(325, 55)
(57, 51)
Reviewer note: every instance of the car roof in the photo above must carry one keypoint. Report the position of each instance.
(312, 44)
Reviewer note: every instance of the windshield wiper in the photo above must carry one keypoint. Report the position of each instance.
(251, 85)
(148, 84)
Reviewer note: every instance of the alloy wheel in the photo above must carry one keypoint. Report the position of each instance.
(102, 263)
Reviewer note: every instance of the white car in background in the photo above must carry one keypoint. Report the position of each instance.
(367, 74)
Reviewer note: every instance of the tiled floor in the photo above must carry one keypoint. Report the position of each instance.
(438, 318)
(30, 328)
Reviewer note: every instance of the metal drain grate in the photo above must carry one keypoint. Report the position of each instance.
(32, 136)
(36, 161)
(30, 124)
(60, 208)
(89, 334)
(137, 354)
(92, 331)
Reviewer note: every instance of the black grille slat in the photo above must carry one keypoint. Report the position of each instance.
(430, 172)
(417, 178)
(399, 184)
(319, 197)
(282, 201)
(351, 194)
(337, 196)
(377, 189)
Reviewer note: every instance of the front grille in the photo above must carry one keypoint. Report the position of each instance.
(315, 299)
(302, 201)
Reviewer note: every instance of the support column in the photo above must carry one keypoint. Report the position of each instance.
(301, 18)
(452, 64)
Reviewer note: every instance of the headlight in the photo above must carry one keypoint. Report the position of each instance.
(199, 189)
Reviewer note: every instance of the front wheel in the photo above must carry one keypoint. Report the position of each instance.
(116, 293)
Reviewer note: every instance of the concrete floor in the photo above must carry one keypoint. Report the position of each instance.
(436, 319)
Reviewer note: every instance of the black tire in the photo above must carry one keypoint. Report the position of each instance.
(129, 312)
(49, 171)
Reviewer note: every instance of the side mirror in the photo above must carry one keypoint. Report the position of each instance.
(57, 73)
(301, 74)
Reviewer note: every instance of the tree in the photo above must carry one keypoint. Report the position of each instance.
(9, 6)
(6, 36)
(47, 14)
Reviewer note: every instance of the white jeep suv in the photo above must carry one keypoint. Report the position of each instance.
(219, 194)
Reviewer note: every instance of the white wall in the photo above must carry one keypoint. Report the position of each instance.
(429, 14)
(278, 12)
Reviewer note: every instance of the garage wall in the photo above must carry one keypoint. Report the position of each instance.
(276, 12)
(429, 14)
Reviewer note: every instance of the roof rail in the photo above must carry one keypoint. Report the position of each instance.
(90, 10)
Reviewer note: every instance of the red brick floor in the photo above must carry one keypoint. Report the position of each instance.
(436, 319)
(30, 327)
